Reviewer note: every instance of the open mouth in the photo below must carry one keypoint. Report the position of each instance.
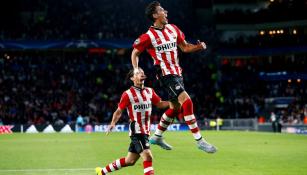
(143, 78)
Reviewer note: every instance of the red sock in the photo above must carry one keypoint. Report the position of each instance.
(190, 119)
(116, 165)
(148, 169)
(166, 119)
(187, 107)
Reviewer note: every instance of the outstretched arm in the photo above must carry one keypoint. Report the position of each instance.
(116, 116)
(188, 47)
(135, 58)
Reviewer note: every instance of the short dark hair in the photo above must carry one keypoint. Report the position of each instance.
(151, 9)
(130, 74)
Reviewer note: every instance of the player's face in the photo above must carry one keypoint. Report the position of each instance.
(161, 15)
(139, 78)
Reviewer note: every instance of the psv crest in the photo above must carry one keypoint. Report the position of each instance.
(137, 41)
(173, 35)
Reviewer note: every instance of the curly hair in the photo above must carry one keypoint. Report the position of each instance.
(151, 9)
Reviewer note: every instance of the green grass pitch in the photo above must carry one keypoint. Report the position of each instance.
(240, 153)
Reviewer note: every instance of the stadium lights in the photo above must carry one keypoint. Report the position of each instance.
(7, 56)
(273, 32)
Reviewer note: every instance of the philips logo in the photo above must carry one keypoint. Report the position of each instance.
(142, 106)
(165, 47)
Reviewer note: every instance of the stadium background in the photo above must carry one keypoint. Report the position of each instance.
(63, 67)
(63, 59)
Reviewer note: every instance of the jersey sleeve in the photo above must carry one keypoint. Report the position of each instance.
(142, 43)
(180, 35)
(124, 101)
(155, 98)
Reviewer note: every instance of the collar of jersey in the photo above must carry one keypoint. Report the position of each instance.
(157, 28)
(137, 88)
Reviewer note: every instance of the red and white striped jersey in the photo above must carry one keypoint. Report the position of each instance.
(138, 103)
(161, 44)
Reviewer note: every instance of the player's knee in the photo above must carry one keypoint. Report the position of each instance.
(183, 97)
(130, 162)
(148, 158)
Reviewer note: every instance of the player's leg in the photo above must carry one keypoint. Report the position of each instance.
(173, 87)
(166, 119)
(189, 117)
(129, 160)
(142, 147)
(147, 162)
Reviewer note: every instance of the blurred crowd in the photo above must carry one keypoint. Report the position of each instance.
(77, 19)
(245, 88)
(57, 88)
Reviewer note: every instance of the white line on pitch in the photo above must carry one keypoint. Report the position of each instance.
(49, 169)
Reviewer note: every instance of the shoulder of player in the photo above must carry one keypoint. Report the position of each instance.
(171, 25)
(125, 93)
(149, 89)
(142, 37)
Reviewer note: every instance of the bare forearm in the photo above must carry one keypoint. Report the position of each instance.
(162, 104)
(116, 116)
(188, 47)
(135, 58)
(192, 48)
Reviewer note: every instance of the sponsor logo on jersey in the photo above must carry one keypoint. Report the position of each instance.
(142, 106)
(166, 47)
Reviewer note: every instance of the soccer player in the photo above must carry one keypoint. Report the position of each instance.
(138, 101)
(161, 41)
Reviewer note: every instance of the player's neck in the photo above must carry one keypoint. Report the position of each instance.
(139, 86)
(158, 25)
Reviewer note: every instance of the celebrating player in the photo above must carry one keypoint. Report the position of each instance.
(161, 42)
(138, 101)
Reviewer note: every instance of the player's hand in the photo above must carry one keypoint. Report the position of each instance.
(202, 45)
(110, 128)
(136, 71)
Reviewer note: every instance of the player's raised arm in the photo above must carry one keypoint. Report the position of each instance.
(116, 116)
(139, 45)
(135, 58)
(188, 47)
